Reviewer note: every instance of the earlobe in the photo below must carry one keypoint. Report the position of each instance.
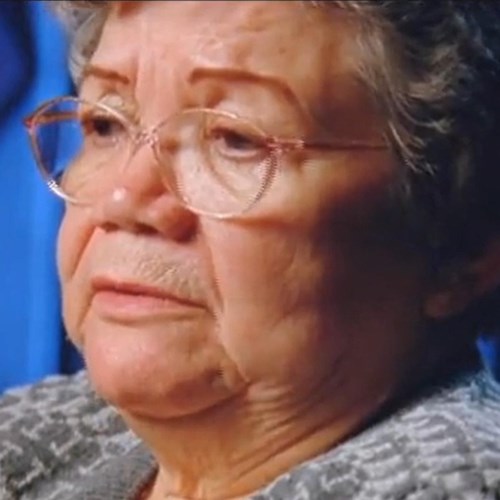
(464, 286)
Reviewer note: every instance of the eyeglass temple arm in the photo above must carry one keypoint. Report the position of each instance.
(48, 118)
(294, 144)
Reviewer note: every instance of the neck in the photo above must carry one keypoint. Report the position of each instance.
(239, 447)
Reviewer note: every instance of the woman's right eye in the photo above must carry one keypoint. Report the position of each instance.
(103, 131)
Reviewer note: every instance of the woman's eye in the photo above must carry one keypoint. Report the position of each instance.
(235, 140)
(102, 130)
(230, 142)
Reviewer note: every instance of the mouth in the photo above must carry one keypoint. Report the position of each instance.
(127, 301)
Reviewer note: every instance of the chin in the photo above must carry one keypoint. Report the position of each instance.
(158, 373)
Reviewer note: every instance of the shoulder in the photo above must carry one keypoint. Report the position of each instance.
(52, 432)
(446, 444)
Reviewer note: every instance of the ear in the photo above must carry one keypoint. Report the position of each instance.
(476, 279)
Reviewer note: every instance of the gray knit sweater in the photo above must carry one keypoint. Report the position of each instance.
(60, 442)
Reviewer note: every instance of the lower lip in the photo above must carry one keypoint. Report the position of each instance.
(129, 307)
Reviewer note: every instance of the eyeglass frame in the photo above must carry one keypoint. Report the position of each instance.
(147, 135)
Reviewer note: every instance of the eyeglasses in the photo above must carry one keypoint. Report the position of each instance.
(215, 162)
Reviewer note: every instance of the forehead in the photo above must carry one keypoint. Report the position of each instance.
(305, 49)
(290, 23)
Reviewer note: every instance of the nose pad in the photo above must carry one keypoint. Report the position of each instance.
(144, 138)
(141, 201)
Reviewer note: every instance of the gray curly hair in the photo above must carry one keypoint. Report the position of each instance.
(433, 68)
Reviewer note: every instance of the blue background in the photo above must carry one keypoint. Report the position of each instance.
(33, 68)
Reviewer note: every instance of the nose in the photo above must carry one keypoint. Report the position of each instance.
(140, 200)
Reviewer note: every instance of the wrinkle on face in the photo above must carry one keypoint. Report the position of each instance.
(241, 40)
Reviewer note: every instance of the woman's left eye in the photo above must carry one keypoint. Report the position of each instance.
(231, 142)
(234, 140)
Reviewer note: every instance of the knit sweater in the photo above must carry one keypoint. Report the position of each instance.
(59, 441)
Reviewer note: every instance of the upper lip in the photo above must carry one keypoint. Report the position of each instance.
(102, 283)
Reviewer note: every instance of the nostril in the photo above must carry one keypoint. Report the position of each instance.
(145, 229)
(166, 216)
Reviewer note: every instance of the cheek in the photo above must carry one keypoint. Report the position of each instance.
(74, 236)
(268, 280)
(284, 257)
(65, 249)
(251, 269)
(300, 287)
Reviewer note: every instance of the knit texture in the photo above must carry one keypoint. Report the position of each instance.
(61, 442)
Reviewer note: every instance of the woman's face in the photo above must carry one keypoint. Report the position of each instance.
(175, 312)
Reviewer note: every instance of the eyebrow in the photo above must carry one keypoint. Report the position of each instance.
(105, 74)
(200, 73)
(229, 73)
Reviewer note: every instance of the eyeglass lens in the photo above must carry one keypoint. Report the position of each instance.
(214, 161)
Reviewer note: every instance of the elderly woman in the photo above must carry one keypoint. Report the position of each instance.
(281, 237)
